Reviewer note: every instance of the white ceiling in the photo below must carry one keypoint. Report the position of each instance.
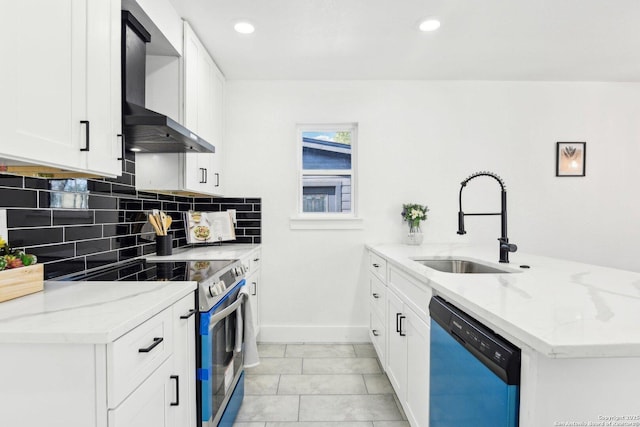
(583, 40)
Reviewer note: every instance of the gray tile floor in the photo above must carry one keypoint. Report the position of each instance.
(314, 385)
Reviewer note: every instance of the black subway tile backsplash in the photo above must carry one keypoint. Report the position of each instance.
(18, 198)
(28, 218)
(92, 246)
(21, 238)
(114, 228)
(53, 252)
(62, 268)
(35, 183)
(109, 217)
(102, 202)
(82, 232)
(11, 181)
(64, 217)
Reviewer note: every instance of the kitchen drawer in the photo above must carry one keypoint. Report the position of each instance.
(377, 294)
(135, 355)
(378, 266)
(413, 292)
(377, 334)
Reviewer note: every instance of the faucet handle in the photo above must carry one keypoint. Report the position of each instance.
(504, 244)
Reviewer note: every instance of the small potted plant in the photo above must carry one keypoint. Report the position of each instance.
(413, 214)
(19, 273)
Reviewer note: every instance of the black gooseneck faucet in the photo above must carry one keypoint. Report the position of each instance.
(505, 246)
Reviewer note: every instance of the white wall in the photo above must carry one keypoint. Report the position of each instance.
(417, 141)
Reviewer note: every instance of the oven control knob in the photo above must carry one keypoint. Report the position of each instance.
(212, 291)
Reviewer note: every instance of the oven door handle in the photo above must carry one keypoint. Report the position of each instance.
(226, 312)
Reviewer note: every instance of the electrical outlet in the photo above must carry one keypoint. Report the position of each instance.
(232, 213)
(3, 224)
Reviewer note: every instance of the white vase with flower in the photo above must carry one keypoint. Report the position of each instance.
(413, 214)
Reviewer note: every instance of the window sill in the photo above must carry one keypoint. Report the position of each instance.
(325, 223)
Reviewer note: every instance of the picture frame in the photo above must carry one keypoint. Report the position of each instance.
(571, 159)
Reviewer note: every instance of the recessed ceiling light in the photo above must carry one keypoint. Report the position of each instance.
(244, 27)
(429, 25)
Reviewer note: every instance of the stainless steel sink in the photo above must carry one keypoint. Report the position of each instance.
(460, 266)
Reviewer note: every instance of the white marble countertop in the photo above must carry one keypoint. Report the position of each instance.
(203, 253)
(85, 312)
(559, 308)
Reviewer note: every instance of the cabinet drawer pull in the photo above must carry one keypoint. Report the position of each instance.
(256, 259)
(375, 332)
(177, 378)
(398, 322)
(217, 179)
(254, 288)
(86, 130)
(156, 341)
(186, 316)
(376, 296)
(376, 265)
(402, 334)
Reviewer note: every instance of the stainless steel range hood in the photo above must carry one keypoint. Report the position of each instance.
(146, 130)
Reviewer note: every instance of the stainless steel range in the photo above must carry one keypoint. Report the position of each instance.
(219, 326)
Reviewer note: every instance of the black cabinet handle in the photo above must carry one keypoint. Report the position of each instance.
(402, 334)
(88, 140)
(121, 136)
(255, 288)
(177, 378)
(156, 341)
(376, 265)
(206, 175)
(186, 316)
(202, 180)
(398, 322)
(375, 332)
(376, 296)
(256, 259)
(217, 179)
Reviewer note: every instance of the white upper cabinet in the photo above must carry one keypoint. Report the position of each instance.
(60, 82)
(204, 101)
(201, 111)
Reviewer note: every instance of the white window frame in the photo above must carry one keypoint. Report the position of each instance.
(327, 220)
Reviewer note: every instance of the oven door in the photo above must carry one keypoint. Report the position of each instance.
(221, 357)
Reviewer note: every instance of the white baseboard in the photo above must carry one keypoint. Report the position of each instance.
(314, 334)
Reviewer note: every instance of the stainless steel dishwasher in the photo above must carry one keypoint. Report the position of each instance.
(474, 373)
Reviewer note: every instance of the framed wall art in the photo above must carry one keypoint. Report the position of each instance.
(571, 158)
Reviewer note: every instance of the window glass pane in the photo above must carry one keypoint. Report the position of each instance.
(326, 193)
(326, 150)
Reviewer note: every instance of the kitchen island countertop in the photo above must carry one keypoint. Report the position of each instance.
(561, 309)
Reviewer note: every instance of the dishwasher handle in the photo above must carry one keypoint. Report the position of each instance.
(493, 351)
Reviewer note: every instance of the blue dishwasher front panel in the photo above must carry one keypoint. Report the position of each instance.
(463, 391)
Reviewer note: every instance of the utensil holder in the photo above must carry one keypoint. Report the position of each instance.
(164, 245)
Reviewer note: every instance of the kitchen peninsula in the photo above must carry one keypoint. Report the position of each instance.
(576, 324)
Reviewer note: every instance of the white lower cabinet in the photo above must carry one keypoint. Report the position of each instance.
(408, 359)
(147, 405)
(399, 315)
(416, 401)
(145, 378)
(397, 349)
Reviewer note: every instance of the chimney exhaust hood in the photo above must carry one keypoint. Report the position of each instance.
(145, 130)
